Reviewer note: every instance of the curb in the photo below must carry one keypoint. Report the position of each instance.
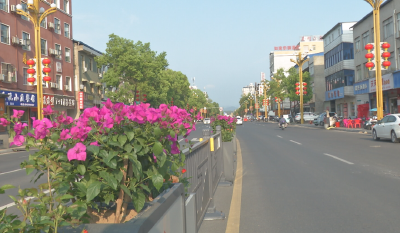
(15, 149)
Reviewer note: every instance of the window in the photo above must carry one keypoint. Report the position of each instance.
(68, 83)
(66, 30)
(59, 82)
(67, 55)
(357, 45)
(58, 51)
(358, 73)
(66, 6)
(5, 34)
(388, 28)
(57, 2)
(57, 27)
(4, 5)
(314, 47)
(365, 37)
(339, 79)
(8, 71)
(25, 73)
(43, 24)
(26, 41)
(43, 46)
(90, 64)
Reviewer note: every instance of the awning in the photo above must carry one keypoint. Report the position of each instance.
(92, 81)
(84, 80)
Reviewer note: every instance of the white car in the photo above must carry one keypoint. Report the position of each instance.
(388, 127)
(206, 121)
(239, 120)
(307, 116)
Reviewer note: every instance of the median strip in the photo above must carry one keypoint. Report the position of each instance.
(344, 161)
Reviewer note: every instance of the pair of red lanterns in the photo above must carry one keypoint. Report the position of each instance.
(139, 96)
(32, 70)
(266, 102)
(277, 99)
(371, 54)
(304, 88)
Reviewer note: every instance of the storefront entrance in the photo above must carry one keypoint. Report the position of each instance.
(393, 105)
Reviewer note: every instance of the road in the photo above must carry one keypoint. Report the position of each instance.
(312, 180)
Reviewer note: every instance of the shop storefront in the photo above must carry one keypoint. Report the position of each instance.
(21, 101)
(88, 100)
(389, 94)
(60, 103)
(396, 85)
(340, 102)
(361, 91)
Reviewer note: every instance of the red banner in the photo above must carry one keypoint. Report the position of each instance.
(48, 100)
(81, 100)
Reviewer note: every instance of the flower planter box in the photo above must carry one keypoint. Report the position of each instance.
(229, 155)
(166, 213)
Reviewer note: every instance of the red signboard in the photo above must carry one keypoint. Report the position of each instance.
(81, 100)
(48, 100)
(286, 48)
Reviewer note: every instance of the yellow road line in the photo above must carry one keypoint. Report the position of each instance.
(233, 223)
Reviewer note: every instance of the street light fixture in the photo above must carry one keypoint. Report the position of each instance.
(36, 16)
(300, 61)
(251, 103)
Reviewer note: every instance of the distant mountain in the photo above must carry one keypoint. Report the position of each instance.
(230, 108)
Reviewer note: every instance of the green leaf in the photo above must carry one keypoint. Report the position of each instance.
(66, 196)
(112, 143)
(126, 190)
(157, 148)
(7, 186)
(172, 133)
(55, 137)
(158, 181)
(103, 154)
(13, 198)
(63, 188)
(145, 188)
(94, 149)
(122, 139)
(138, 147)
(162, 160)
(93, 190)
(130, 135)
(138, 200)
(118, 175)
(128, 148)
(29, 169)
(81, 169)
(112, 163)
(111, 181)
(81, 187)
(157, 131)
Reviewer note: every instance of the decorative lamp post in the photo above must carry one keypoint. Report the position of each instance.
(251, 104)
(300, 61)
(36, 15)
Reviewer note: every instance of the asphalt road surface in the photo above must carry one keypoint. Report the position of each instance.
(307, 180)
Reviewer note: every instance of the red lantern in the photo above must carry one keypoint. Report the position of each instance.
(30, 62)
(297, 84)
(386, 63)
(46, 70)
(304, 88)
(46, 78)
(297, 88)
(386, 45)
(144, 100)
(31, 71)
(137, 91)
(304, 84)
(304, 92)
(386, 54)
(369, 55)
(297, 92)
(137, 96)
(369, 46)
(369, 65)
(46, 61)
(144, 95)
(31, 80)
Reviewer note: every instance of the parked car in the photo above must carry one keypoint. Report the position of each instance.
(307, 116)
(239, 120)
(388, 127)
(319, 120)
(206, 121)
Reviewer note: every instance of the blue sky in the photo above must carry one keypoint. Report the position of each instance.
(224, 44)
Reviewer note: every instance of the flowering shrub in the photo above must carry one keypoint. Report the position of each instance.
(228, 126)
(114, 154)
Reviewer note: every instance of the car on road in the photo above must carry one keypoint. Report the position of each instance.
(319, 120)
(239, 120)
(206, 121)
(388, 127)
(307, 116)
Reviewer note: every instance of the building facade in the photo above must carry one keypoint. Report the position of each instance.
(339, 70)
(88, 77)
(249, 89)
(365, 87)
(17, 44)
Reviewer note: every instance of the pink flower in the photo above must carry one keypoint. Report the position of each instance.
(4, 122)
(18, 127)
(64, 135)
(186, 140)
(68, 120)
(174, 149)
(47, 110)
(191, 110)
(94, 143)
(18, 140)
(18, 113)
(108, 104)
(155, 158)
(78, 152)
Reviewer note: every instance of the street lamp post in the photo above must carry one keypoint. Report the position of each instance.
(266, 88)
(37, 15)
(251, 103)
(376, 5)
(300, 61)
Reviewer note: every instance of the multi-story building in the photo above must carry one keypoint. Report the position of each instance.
(88, 74)
(17, 44)
(248, 89)
(339, 70)
(365, 87)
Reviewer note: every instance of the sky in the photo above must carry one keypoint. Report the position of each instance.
(223, 44)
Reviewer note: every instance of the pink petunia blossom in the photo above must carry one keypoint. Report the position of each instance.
(108, 104)
(18, 140)
(174, 149)
(4, 122)
(17, 113)
(18, 127)
(64, 135)
(78, 152)
(94, 143)
(47, 110)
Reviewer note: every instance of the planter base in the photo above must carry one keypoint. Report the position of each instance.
(108, 216)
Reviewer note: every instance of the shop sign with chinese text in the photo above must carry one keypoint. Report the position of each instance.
(387, 83)
(48, 100)
(64, 102)
(20, 99)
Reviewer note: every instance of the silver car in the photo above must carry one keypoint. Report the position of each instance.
(206, 121)
(388, 127)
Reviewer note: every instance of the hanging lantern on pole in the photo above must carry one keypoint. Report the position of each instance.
(46, 70)
(386, 55)
(31, 71)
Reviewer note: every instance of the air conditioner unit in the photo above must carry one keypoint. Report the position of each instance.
(1, 77)
(67, 87)
(15, 40)
(81, 86)
(13, 8)
(22, 42)
(58, 52)
(53, 85)
(28, 42)
(51, 25)
(52, 51)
